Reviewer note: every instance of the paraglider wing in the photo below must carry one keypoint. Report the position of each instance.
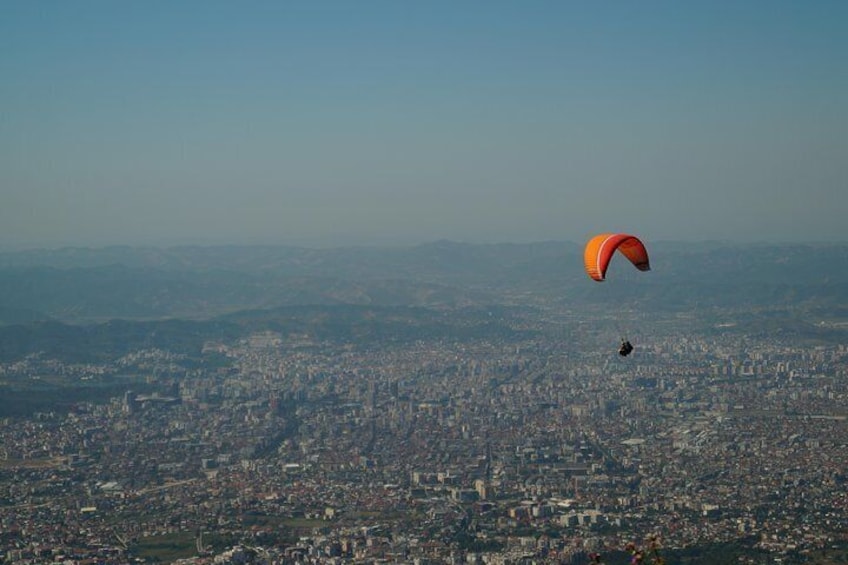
(600, 249)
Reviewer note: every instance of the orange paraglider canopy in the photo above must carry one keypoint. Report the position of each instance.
(599, 251)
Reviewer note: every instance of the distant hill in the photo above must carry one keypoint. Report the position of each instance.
(11, 315)
(82, 285)
(107, 341)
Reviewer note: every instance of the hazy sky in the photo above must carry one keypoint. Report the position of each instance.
(359, 121)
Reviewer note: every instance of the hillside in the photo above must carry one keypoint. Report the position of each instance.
(80, 285)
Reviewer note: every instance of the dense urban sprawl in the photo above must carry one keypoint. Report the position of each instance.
(540, 449)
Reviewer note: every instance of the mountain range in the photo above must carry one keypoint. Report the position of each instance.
(95, 303)
(83, 285)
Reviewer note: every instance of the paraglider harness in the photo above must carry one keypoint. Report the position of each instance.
(625, 349)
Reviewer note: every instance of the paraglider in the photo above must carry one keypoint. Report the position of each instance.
(598, 254)
(600, 249)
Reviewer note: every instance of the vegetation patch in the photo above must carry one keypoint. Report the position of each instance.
(166, 548)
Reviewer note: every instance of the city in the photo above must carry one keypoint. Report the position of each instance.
(423, 283)
(537, 449)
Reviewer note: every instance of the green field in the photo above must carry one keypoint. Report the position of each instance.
(166, 548)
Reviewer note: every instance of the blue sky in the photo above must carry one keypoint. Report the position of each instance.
(338, 123)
